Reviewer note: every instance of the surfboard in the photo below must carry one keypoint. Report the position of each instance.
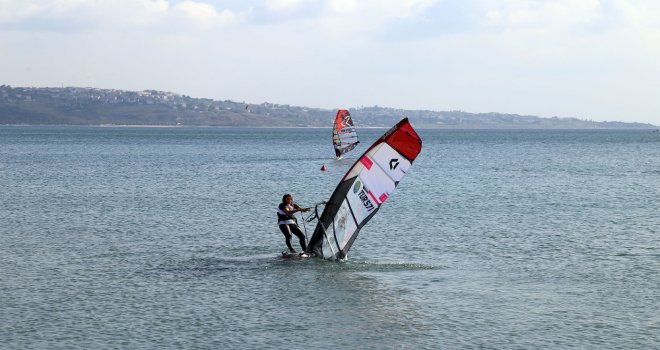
(288, 255)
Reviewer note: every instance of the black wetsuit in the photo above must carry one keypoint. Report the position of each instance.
(288, 225)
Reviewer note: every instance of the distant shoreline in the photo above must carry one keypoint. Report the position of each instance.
(311, 127)
(150, 108)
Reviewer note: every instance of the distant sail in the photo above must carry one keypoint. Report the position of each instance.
(364, 188)
(344, 137)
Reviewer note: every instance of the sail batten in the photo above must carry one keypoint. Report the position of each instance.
(344, 136)
(364, 188)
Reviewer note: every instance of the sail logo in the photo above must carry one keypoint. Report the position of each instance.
(394, 162)
(358, 189)
(357, 186)
(347, 121)
(365, 200)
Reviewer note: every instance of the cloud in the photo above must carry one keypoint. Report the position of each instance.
(642, 21)
(203, 15)
(359, 21)
(381, 10)
(283, 6)
(342, 6)
(118, 15)
(550, 15)
(80, 15)
(16, 11)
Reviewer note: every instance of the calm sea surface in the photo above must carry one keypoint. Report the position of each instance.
(166, 238)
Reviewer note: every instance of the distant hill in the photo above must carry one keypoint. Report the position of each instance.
(91, 106)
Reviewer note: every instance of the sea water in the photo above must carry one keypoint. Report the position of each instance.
(166, 238)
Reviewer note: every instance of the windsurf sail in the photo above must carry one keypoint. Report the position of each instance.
(344, 137)
(364, 188)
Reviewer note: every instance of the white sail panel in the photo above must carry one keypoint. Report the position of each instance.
(361, 203)
(392, 162)
(379, 185)
(344, 226)
(329, 246)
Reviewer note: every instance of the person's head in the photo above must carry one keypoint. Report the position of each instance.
(287, 199)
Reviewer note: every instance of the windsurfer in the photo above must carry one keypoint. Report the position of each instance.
(288, 223)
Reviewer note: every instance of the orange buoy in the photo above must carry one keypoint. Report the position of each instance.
(323, 168)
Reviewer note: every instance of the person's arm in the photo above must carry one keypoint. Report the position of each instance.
(299, 208)
(288, 211)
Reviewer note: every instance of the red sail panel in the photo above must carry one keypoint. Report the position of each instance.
(405, 140)
(343, 119)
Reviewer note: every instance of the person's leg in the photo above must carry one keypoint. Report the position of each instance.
(287, 234)
(301, 236)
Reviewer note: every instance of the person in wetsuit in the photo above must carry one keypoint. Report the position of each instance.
(288, 223)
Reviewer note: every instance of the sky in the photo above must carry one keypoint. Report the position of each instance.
(588, 59)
